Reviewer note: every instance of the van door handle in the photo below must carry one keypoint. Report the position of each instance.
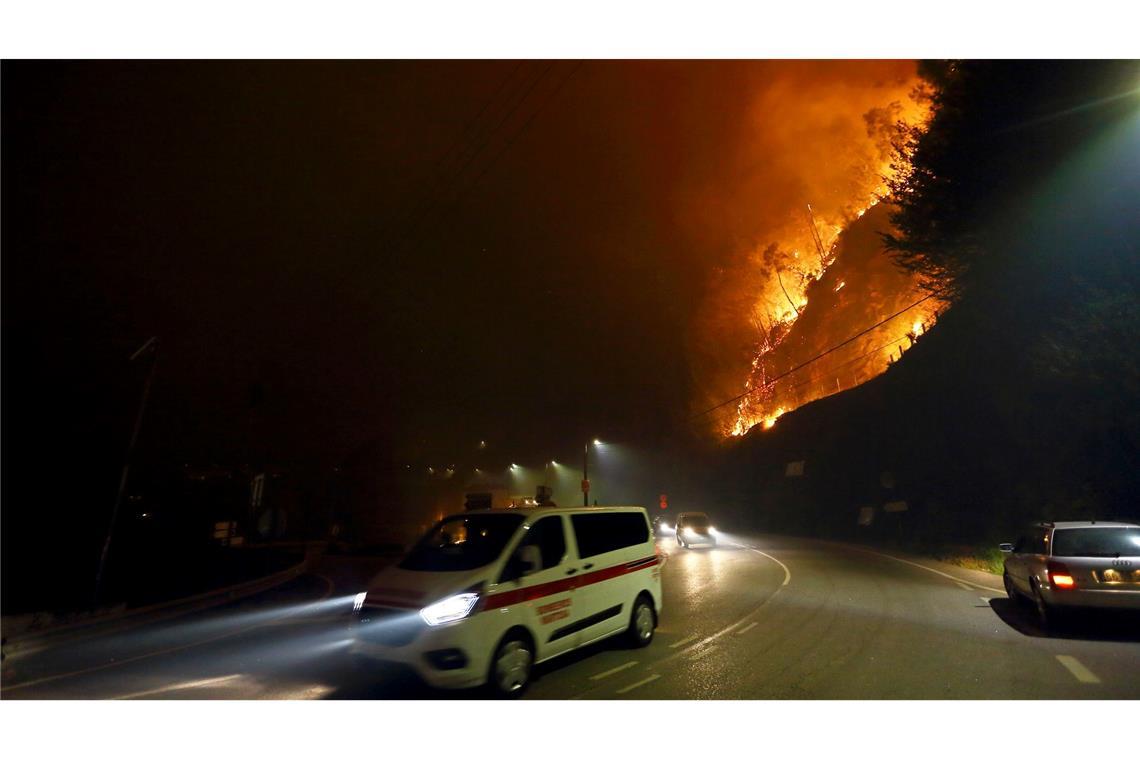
(588, 566)
(571, 571)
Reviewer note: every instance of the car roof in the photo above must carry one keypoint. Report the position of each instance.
(1089, 524)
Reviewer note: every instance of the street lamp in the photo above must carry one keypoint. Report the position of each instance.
(586, 471)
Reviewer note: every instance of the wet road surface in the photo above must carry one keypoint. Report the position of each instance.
(758, 617)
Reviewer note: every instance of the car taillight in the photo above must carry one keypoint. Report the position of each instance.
(1059, 576)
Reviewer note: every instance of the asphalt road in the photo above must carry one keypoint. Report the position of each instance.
(761, 618)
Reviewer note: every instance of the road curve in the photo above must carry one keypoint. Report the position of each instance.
(759, 617)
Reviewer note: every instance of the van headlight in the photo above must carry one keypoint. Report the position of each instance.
(358, 601)
(450, 609)
(714, 531)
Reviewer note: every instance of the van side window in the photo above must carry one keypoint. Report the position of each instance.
(598, 534)
(550, 538)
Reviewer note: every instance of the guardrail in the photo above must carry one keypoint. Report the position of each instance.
(39, 637)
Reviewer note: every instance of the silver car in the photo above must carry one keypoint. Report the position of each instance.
(1069, 565)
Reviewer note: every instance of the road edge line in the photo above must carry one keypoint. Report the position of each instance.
(954, 578)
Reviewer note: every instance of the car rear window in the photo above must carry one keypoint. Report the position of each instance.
(598, 534)
(1096, 542)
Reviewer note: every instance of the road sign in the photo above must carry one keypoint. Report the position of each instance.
(585, 486)
(894, 506)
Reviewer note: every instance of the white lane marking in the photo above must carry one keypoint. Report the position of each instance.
(740, 622)
(1079, 671)
(181, 686)
(747, 628)
(985, 599)
(929, 569)
(703, 652)
(964, 586)
(787, 572)
(636, 684)
(713, 637)
(683, 641)
(611, 671)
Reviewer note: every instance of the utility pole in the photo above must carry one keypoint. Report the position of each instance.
(586, 475)
(151, 346)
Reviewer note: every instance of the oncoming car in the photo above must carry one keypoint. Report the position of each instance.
(487, 594)
(695, 528)
(1070, 565)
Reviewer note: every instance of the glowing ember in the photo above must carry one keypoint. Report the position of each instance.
(770, 422)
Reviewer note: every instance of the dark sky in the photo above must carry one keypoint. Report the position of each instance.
(423, 254)
(255, 216)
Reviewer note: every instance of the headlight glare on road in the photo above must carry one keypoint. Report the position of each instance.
(450, 609)
(358, 601)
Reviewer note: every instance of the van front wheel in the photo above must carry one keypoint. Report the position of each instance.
(511, 666)
(642, 622)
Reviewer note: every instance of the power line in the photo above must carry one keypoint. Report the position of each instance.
(518, 104)
(846, 363)
(469, 131)
(815, 358)
(518, 133)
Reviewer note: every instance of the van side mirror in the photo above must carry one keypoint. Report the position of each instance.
(1006, 548)
(525, 560)
(529, 559)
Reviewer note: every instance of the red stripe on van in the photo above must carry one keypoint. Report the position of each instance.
(521, 595)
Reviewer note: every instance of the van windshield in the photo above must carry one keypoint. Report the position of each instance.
(463, 542)
(696, 521)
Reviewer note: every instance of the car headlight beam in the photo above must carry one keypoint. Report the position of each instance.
(450, 609)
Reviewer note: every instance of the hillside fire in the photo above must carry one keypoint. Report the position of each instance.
(810, 304)
(855, 317)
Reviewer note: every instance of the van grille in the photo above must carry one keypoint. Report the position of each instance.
(388, 626)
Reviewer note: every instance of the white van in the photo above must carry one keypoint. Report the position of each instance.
(487, 594)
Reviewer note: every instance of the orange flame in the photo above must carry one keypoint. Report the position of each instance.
(784, 301)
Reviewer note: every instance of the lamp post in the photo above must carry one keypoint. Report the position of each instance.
(586, 471)
(586, 475)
